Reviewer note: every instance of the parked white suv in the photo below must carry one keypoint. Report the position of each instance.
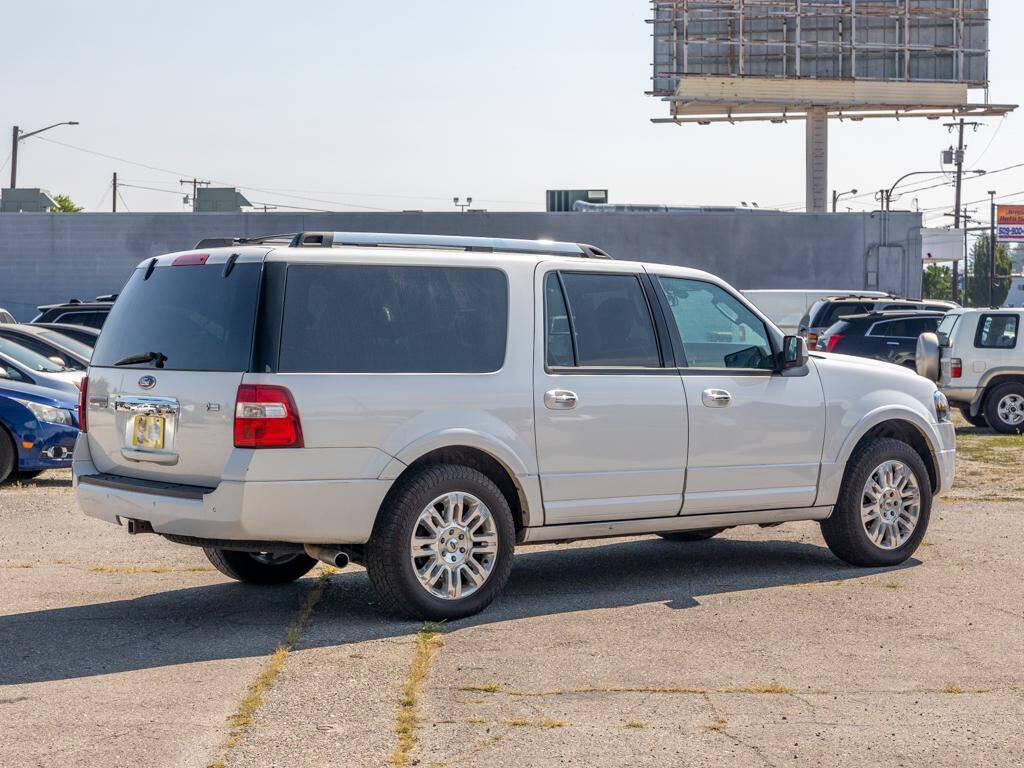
(423, 404)
(982, 366)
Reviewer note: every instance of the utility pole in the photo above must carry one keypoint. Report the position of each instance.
(959, 157)
(114, 197)
(196, 183)
(992, 252)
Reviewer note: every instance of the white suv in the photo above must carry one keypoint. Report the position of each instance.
(423, 404)
(982, 366)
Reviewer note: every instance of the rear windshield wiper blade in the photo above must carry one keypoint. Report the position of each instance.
(146, 357)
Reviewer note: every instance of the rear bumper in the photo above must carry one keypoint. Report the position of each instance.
(299, 511)
(961, 395)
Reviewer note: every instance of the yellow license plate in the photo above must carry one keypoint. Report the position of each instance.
(148, 432)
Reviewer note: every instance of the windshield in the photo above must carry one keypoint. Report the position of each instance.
(80, 349)
(28, 358)
(190, 317)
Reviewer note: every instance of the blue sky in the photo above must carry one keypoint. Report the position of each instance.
(360, 105)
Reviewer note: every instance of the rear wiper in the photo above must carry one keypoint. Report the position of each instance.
(146, 357)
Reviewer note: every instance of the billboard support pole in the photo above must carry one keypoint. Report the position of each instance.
(992, 253)
(817, 160)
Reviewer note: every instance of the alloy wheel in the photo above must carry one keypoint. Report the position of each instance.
(890, 504)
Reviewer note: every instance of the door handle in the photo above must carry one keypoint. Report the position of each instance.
(715, 398)
(560, 399)
(893, 343)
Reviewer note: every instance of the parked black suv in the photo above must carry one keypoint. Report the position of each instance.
(77, 312)
(827, 311)
(888, 336)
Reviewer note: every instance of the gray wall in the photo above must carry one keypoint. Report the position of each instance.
(46, 258)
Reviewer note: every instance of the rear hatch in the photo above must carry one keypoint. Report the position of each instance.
(166, 369)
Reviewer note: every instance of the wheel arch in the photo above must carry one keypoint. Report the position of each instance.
(994, 378)
(902, 426)
(501, 466)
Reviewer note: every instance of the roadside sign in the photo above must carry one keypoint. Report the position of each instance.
(1010, 223)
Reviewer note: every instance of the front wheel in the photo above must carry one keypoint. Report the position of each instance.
(1004, 408)
(263, 568)
(443, 543)
(883, 507)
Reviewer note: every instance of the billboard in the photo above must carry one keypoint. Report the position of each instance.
(1010, 223)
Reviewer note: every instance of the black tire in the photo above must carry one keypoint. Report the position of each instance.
(258, 568)
(702, 534)
(388, 562)
(992, 408)
(844, 532)
(8, 456)
(975, 421)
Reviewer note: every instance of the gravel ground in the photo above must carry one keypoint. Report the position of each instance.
(754, 648)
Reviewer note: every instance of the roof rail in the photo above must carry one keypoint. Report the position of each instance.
(457, 242)
(227, 242)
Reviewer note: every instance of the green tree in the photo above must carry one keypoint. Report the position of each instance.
(977, 285)
(64, 204)
(938, 282)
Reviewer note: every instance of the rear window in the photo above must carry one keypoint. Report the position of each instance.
(199, 319)
(832, 312)
(393, 319)
(88, 319)
(945, 328)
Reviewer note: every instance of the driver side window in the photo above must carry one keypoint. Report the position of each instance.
(716, 329)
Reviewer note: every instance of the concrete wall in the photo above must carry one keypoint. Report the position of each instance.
(46, 258)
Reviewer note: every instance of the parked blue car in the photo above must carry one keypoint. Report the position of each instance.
(38, 427)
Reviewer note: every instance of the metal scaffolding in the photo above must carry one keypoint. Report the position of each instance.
(942, 41)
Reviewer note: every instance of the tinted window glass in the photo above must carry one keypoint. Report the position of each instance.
(997, 331)
(834, 312)
(897, 328)
(388, 319)
(717, 330)
(919, 325)
(89, 319)
(556, 318)
(68, 343)
(611, 321)
(42, 348)
(8, 371)
(199, 319)
(27, 357)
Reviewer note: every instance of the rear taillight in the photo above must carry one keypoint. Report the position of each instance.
(812, 340)
(83, 402)
(834, 339)
(266, 417)
(956, 368)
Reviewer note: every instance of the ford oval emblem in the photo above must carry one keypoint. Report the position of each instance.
(147, 382)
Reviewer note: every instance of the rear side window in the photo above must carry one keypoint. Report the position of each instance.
(196, 317)
(89, 319)
(609, 320)
(393, 319)
(997, 331)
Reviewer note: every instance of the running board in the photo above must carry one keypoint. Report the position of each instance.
(551, 533)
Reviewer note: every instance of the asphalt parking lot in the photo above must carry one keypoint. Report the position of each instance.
(755, 648)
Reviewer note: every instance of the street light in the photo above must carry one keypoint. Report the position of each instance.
(17, 136)
(837, 196)
(886, 195)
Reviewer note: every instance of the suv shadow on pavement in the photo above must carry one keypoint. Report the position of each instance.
(231, 620)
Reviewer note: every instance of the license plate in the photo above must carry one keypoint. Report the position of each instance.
(148, 432)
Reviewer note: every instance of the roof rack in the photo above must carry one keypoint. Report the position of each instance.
(393, 240)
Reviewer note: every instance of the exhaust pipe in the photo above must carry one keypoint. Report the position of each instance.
(328, 555)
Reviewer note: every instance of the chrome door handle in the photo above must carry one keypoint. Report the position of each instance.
(893, 343)
(715, 398)
(559, 399)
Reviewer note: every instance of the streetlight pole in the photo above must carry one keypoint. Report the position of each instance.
(837, 196)
(16, 137)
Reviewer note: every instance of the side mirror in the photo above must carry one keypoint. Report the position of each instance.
(794, 352)
(926, 359)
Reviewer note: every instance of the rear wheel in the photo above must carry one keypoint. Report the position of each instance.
(443, 543)
(975, 421)
(260, 567)
(1004, 408)
(8, 456)
(702, 534)
(883, 507)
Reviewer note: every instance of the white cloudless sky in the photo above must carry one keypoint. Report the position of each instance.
(347, 105)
